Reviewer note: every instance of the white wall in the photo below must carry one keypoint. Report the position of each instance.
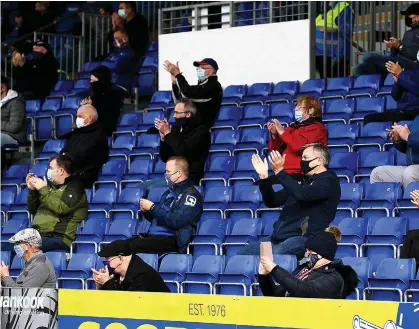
(245, 55)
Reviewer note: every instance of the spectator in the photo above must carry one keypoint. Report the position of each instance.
(206, 95)
(43, 16)
(58, 203)
(320, 276)
(87, 146)
(13, 116)
(125, 271)
(106, 10)
(134, 24)
(308, 207)
(174, 218)
(407, 142)
(405, 92)
(307, 129)
(185, 139)
(105, 97)
(339, 21)
(35, 72)
(404, 52)
(38, 271)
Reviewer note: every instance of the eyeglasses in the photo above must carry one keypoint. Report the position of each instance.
(177, 112)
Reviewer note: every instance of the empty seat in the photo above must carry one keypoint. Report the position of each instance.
(379, 200)
(217, 198)
(228, 116)
(15, 174)
(338, 87)
(362, 268)
(87, 241)
(373, 136)
(246, 199)
(284, 112)
(343, 135)
(147, 144)
(312, 87)
(351, 195)
(129, 122)
(257, 93)
(51, 148)
(365, 106)
(387, 85)
(225, 140)
(161, 99)
(150, 259)
(77, 271)
(220, 168)
(354, 231)
(234, 94)
(283, 91)
(138, 171)
(5, 257)
(148, 119)
(345, 165)
(121, 229)
(252, 139)
(339, 110)
(173, 269)
(365, 85)
(255, 114)
(58, 260)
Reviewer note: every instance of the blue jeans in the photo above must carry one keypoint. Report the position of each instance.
(5, 139)
(373, 63)
(291, 246)
(53, 244)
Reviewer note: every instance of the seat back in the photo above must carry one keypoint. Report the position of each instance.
(368, 80)
(105, 195)
(340, 106)
(218, 194)
(235, 91)
(176, 263)
(316, 85)
(286, 87)
(370, 104)
(260, 89)
(209, 264)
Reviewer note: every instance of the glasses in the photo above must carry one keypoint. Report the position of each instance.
(177, 112)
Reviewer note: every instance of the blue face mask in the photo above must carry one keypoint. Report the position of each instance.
(311, 260)
(200, 73)
(19, 250)
(169, 181)
(111, 270)
(298, 115)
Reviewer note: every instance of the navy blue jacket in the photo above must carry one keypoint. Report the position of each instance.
(411, 147)
(180, 213)
(406, 91)
(308, 206)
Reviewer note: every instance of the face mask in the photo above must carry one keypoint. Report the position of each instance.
(181, 121)
(36, 55)
(311, 260)
(19, 250)
(49, 175)
(169, 182)
(80, 123)
(200, 73)
(122, 13)
(110, 269)
(305, 166)
(408, 21)
(117, 43)
(298, 116)
(98, 86)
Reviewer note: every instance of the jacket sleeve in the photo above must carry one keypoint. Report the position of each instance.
(181, 145)
(198, 93)
(300, 137)
(413, 141)
(269, 288)
(35, 278)
(318, 190)
(401, 146)
(33, 201)
(325, 285)
(165, 151)
(271, 198)
(176, 93)
(275, 144)
(409, 80)
(69, 201)
(181, 214)
(397, 91)
(16, 119)
(109, 285)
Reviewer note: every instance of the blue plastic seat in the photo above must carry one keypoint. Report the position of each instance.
(51, 105)
(51, 148)
(15, 174)
(129, 122)
(268, 224)
(228, 116)
(339, 110)
(343, 135)
(252, 139)
(32, 107)
(81, 84)
(5, 257)
(284, 112)
(65, 117)
(362, 268)
(147, 144)
(351, 196)
(391, 104)
(246, 199)
(112, 171)
(16, 266)
(19, 209)
(283, 91)
(258, 93)
(369, 160)
(77, 271)
(62, 88)
(217, 198)
(225, 140)
(373, 136)
(87, 241)
(148, 119)
(243, 171)
(255, 114)
(128, 200)
(365, 85)
(150, 259)
(158, 171)
(312, 87)
(354, 231)
(123, 144)
(387, 85)
(173, 269)
(161, 99)
(156, 193)
(58, 260)
(412, 294)
(7, 199)
(103, 199)
(379, 200)
(121, 229)
(221, 168)
(139, 170)
(365, 106)
(338, 87)
(405, 200)
(234, 94)
(345, 165)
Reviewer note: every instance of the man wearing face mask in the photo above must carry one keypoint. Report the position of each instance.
(58, 203)
(185, 139)
(402, 52)
(125, 271)
(38, 272)
(175, 217)
(206, 95)
(87, 146)
(309, 206)
(319, 275)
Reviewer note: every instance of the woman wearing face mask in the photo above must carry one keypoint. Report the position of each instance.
(307, 129)
(318, 276)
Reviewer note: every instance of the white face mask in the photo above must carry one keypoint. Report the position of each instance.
(122, 13)
(417, 56)
(80, 123)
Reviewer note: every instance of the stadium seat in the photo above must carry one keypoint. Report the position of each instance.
(369, 160)
(120, 229)
(148, 119)
(220, 169)
(284, 112)
(338, 87)
(158, 171)
(77, 271)
(217, 198)
(234, 94)
(138, 171)
(412, 294)
(58, 260)
(228, 117)
(7, 199)
(365, 85)
(252, 139)
(254, 114)
(5, 257)
(32, 107)
(373, 136)
(283, 91)
(80, 85)
(343, 136)
(345, 165)
(225, 141)
(246, 199)
(362, 268)
(103, 199)
(338, 110)
(62, 88)
(391, 104)
(129, 122)
(365, 106)
(16, 267)
(387, 85)
(147, 144)
(15, 174)
(173, 269)
(354, 231)
(87, 241)
(156, 193)
(351, 196)
(312, 87)
(150, 259)
(112, 173)
(257, 93)
(51, 148)
(161, 99)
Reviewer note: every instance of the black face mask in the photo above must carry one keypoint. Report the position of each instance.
(305, 166)
(98, 86)
(408, 21)
(181, 121)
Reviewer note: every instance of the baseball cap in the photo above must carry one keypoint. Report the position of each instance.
(28, 235)
(413, 9)
(208, 61)
(116, 248)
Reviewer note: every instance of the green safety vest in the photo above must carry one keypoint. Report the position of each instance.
(331, 15)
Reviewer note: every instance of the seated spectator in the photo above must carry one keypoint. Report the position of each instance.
(309, 206)
(185, 139)
(125, 271)
(405, 141)
(106, 10)
(13, 116)
(105, 97)
(87, 146)
(35, 70)
(405, 92)
(320, 276)
(58, 203)
(404, 52)
(38, 271)
(175, 217)
(122, 60)
(307, 129)
(134, 24)
(206, 95)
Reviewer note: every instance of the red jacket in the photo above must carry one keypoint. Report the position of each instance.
(294, 138)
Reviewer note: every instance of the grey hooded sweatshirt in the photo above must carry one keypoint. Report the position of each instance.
(13, 116)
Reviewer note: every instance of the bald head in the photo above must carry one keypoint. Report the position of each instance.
(88, 113)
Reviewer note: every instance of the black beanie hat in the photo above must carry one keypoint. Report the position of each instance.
(103, 74)
(323, 243)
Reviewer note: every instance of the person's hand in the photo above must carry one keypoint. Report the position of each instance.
(171, 68)
(278, 126)
(277, 161)
(267, 264)
(272, 130)
(415, 197)
(162, 126)
(394, 68)
(145, 205)
(29, 181)
(39, 183)
(17, 59)
(4, 270)
(393, 43)
(85, 101)
(402, 131)
(117, 21)
(102, 276)
(394, 135)
(261, 167)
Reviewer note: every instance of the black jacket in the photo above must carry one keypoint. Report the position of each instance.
(89, 150)
(137, 29)
(206, 95)
(191, 142)
(308, 206)
(333, 281)
(140, 277)
(410, 45)
(13, 116)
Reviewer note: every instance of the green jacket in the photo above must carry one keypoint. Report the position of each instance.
(58, 209)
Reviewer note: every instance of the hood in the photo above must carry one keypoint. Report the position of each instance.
(11, 94)
(350, 278)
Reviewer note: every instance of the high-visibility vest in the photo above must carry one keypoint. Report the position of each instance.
(331, 15)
